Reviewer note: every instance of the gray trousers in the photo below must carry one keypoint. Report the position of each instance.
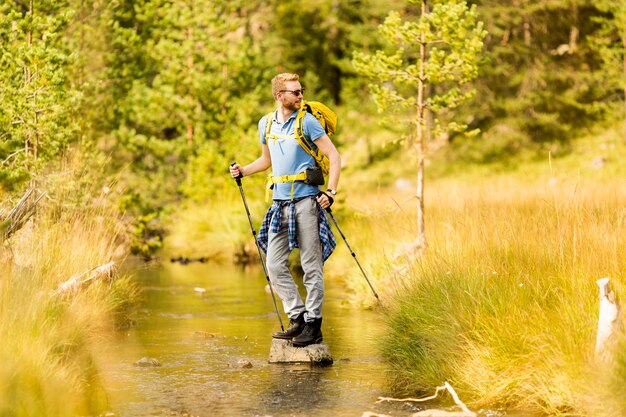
(310, 257)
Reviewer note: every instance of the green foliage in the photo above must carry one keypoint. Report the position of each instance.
(181, 78)
(317, 45)
(201, 72)
(549, 68)
(452, 37)
(147, 236)
(610, 42)
(143, 79)
(36, 116)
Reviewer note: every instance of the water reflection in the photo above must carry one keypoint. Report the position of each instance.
(199, 336)
(295, 388)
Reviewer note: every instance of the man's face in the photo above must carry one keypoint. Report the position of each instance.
(288, 99)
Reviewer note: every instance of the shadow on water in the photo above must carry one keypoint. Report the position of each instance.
(203, 321)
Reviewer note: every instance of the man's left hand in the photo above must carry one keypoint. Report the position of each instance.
(325, 200)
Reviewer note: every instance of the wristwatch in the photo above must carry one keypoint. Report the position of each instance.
(333, 192)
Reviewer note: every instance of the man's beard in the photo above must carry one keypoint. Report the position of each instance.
(293, 106)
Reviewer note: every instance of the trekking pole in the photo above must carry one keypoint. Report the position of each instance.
(354, 256)
(267, 276)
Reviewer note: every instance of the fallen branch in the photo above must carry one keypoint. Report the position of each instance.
(83, 280)
(20, 214)
(446, 386)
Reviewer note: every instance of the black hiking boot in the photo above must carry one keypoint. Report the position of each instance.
(311, 334)
(295, 328)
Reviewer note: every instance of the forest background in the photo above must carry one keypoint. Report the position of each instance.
(134, 109)
(151, 100)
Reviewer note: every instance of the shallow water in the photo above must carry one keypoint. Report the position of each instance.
(199, 337)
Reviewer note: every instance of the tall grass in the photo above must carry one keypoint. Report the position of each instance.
(49, 344)
(504, 303)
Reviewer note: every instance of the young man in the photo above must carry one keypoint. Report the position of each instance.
(296, 219)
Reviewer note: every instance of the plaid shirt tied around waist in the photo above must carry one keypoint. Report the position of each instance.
(272, 222)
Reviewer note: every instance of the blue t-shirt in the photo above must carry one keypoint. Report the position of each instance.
(288, 157)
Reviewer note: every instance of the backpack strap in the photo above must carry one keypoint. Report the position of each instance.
(319, 157)
(268, 124)
(299, 131)
(271, 180)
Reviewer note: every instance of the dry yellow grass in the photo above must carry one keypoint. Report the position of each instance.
(504, 302)
(48, 354)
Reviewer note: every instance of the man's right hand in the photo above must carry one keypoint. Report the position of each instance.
(235, 171)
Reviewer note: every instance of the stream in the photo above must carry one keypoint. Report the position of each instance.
(200, 320)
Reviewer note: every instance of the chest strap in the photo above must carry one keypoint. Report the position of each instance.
(275, 136)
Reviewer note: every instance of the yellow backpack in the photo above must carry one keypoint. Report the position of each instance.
(326, 117)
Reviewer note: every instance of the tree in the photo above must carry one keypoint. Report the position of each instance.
(320, 44)
(555, 69)
(36, 115)
(611, 44)
(178, 83)
(182, 76)
(428, 67)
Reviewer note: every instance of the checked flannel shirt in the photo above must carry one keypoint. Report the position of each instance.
(271, 223)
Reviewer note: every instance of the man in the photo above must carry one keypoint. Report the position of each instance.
(296, 217)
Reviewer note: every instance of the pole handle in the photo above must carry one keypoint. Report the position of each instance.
(238, 179)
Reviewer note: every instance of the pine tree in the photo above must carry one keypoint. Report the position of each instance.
(178, 74)
(180, 83)
(36, 116)
(546, 80)
(431, 61)
(611, 44)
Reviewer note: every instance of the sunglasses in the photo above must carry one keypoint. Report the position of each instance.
(294, 92)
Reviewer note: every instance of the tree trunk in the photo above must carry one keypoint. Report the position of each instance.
(20, 214)
(191, 91)
(527, 34)
(574, 32)
(81, 281)
(28, 78)
(190, 64)
(624, 78)
(421, 228)
(608, 322)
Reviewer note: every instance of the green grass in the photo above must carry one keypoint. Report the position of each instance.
(217, 227)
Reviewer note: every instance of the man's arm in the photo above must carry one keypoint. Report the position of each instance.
(328, 148)
(260, 164)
